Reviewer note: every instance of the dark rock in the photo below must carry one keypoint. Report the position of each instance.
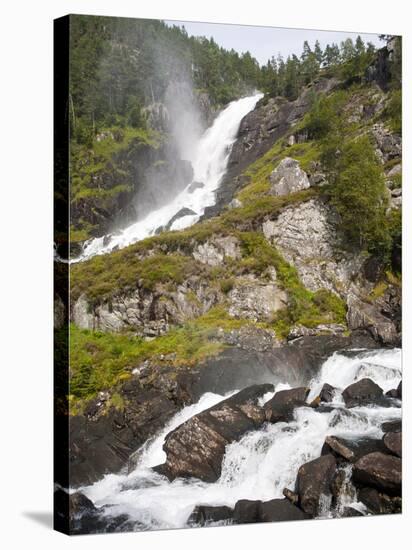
(327, 393)
(103, 443)
(291, 495)
(399, 389)
(379, 503)
(254, 511)
(351, 449)
(195, 185)
(393, 442)
(196, 448)
(280, 407)
(363, 392)
(280, 510)
(203, 515)
(339, 483)
(79, 504)
(318, 178)
(247, 511)
(314, 480)
(294, 364)
(75, 514)
(392, 393)
(372, 269)
(366, 316)
(382, 471)
(181, 214)
(259, 130)
(349, 512)
(393, 426)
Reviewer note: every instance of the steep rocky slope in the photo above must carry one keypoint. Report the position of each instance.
(265, 273)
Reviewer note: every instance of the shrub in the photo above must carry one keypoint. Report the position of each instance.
(393, 111)
(360, 197)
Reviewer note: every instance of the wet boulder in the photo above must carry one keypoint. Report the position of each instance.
(280, 407)
(379, 470)
(79, 504)
(349, 512)
(392, 426)
(379, 503)
(351, 450)
(326, 393)
(277, 509)
(280, 509)
(363, 392)
(393, 443)
(203, 515)
(314, 481)
(247, 511)
(196, 448)
(181, 214)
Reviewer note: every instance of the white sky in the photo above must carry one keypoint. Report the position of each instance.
(264, 42)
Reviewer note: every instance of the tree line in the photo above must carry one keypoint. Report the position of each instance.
(120, 65)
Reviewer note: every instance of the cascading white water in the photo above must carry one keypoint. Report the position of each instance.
(209, 166)
(263, 462)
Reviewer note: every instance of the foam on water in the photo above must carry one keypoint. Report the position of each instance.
(263, 462)
(209, 166)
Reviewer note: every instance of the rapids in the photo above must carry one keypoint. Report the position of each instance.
(261, 464)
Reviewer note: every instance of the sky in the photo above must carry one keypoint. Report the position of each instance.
(264, 42)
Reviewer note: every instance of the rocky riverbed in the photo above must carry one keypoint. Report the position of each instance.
(311, 446)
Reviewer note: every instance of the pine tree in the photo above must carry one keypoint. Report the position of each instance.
(318, 52)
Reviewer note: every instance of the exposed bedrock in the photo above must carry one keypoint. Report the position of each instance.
(308, 237)
(258, 132)
(103, 438)
(196, 448)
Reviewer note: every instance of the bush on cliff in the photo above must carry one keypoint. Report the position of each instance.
(360, 197)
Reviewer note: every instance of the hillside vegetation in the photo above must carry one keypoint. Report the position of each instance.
(337, 142)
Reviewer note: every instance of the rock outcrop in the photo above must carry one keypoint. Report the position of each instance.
(351, 450)
(393, 443)
(379, 503)
(148, 312)
(314, 483)
(383, 327)
(196, 448)
(259, 130)
(381, 471)
(306, 235)
(280, 408)
(256, 300)
(363, 392)
(288, 177)
(215, 251)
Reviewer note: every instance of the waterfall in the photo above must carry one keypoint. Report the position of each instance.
(263, 462)
(209, 163)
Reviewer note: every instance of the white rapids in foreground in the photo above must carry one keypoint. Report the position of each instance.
(209, 166)
(263, 462)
